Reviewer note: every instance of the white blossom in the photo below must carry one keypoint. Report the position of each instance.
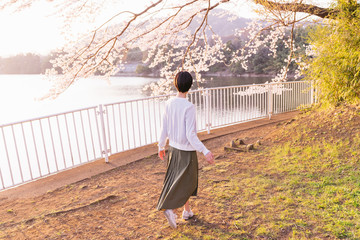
(162, 30)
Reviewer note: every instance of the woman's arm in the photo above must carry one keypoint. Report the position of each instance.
(163, 132)
(191, 132)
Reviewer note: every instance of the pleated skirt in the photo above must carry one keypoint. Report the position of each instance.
(181, 179)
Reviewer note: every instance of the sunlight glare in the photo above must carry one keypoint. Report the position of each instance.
(38, 29)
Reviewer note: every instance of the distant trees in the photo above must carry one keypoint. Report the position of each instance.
(263, 61)
(142, 69)
(135, 55)
(23, 64)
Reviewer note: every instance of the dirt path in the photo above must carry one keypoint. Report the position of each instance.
(119, 203)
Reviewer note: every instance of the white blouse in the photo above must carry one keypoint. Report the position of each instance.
(179, 125)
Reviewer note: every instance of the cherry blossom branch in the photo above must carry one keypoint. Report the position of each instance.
(195, 34)
(291, 49)
(114, 39)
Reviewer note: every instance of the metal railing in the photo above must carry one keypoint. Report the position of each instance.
(39, 147)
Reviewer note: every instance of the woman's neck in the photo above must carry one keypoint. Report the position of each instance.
(181, 94)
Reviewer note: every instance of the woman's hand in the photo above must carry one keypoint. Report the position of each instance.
(161, 154)
(210, 158)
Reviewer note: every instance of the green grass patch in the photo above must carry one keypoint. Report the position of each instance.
(304, 187)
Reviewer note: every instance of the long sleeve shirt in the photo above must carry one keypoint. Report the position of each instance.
(179, 126)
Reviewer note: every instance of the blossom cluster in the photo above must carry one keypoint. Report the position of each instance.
(175, 35)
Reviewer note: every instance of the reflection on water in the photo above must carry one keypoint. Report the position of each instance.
(18, 93)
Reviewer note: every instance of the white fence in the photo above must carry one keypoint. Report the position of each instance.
(39, 147)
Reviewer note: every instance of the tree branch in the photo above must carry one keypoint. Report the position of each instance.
(208, 9)
(114, 39)
(298, 7)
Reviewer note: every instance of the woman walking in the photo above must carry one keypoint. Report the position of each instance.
(179, 126)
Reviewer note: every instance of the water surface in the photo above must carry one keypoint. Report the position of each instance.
(19, 93)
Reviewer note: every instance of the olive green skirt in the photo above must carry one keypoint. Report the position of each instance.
(181, 179)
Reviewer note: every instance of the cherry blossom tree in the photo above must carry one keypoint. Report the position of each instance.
(163, 29)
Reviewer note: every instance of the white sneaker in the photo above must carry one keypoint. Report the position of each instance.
(187, 215)
(171, 217)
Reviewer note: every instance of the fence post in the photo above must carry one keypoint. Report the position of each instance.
(312, 92)
(207, 109)
(2, 180)
(105, 150)
(270, 100)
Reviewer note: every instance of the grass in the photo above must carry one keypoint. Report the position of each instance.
(305, 187)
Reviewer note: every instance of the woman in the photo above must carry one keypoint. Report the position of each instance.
(179, 126)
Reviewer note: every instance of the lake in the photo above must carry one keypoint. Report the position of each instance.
(19, 93)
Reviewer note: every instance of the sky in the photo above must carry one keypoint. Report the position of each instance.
(38, 29)
(30, 30)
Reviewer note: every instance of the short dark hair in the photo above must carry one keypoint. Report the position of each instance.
(183, 81)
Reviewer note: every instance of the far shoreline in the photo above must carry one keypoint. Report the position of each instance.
(219, 74)
(133, 74)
